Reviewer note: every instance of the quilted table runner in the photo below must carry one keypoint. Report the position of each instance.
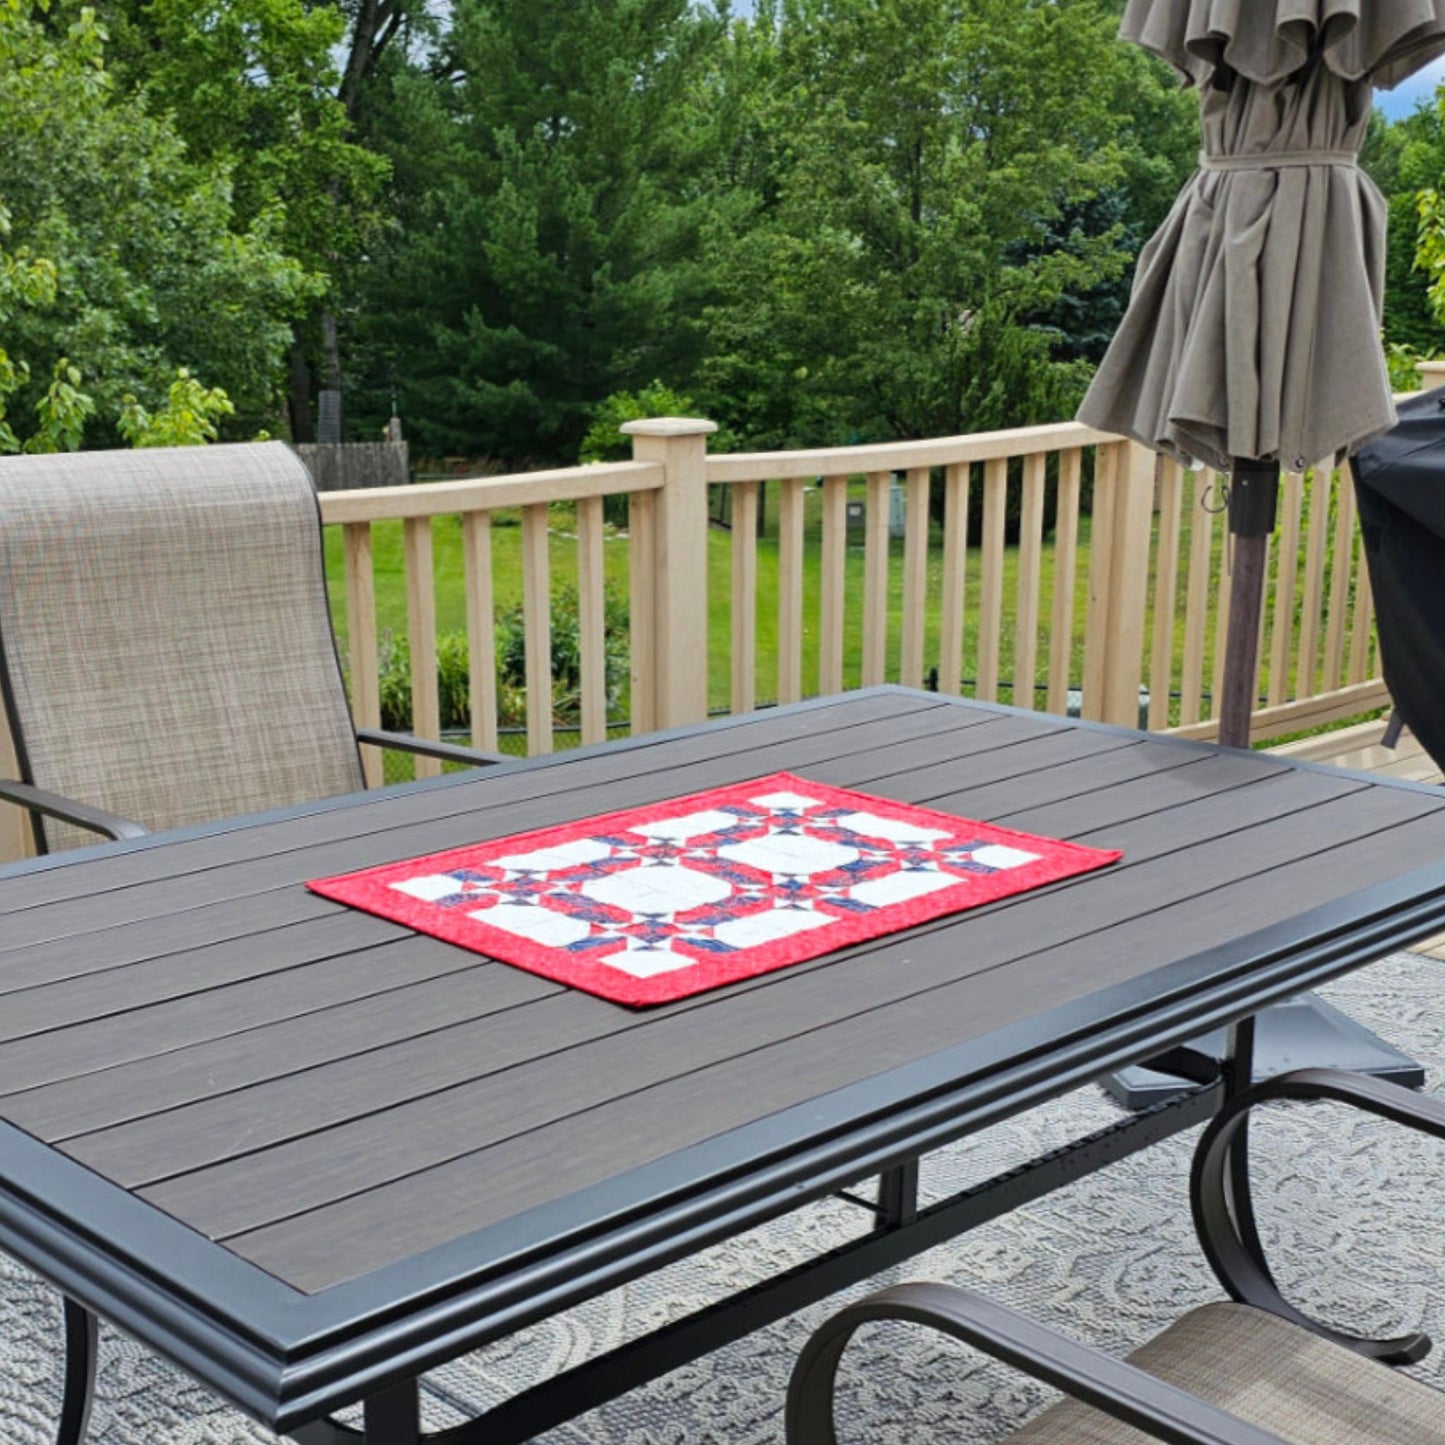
(652, 904)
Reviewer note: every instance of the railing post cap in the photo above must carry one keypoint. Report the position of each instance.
(669, 426)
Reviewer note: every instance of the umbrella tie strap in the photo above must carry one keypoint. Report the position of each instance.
(1278, 160)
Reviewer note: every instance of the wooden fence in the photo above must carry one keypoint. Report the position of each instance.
(351, 466)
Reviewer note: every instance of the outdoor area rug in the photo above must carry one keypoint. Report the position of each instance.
(652, 904)
(1353, 1225)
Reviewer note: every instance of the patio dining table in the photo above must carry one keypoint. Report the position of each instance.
(308, 1154)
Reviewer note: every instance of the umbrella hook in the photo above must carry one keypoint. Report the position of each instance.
(1215, 497)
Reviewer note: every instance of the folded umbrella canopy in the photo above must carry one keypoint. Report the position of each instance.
(1253, 335)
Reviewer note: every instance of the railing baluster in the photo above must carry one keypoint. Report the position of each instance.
(1166, 588)
(1031, 547)
(1341, 575)
(834, 585)
(1312, 597)
(875, 580)
(592, 619)
(1107, 460)
(481, 625)
(1361, 631)
(537, 610)
(1285, 583)
(1222, 610)
(955, 578)
(1196, 607)
(915, 576)
(361, 644)
(745, 597)
(1066, 577)
(990, 604)
(421, 611)
(642, 643)
(790, 591)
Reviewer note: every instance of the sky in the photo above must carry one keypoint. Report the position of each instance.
(1403, 100)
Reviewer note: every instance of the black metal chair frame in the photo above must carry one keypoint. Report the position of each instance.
(1224, 1222)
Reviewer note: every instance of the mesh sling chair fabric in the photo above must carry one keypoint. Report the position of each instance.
(1253, 1372)
(166, 650)
(1272, 1374)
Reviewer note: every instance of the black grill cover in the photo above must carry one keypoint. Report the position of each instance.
(1400, 483)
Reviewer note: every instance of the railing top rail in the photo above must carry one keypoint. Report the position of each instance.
(490, 494)
(900, 456)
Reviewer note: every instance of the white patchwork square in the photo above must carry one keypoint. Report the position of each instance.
(563, 855)
(539, 925)
(429, 887)
(643, 962)
(997, 855)
(769, 927)
(784, 802)
(789, 855)
(695, 825)
(901, 887)
(895, 830)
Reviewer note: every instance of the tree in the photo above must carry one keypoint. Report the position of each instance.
(937, 197)
(255, 87)
(124, 260)
(545, 252)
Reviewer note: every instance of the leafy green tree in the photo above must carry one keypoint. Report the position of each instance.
(930, 207)
(1407, 160)
(124, 259)
(189, 418)
(255, 87)
(548, 212)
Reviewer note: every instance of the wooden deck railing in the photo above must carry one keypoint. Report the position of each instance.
(1115, 590)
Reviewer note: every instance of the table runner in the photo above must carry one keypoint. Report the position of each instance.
(651, 904)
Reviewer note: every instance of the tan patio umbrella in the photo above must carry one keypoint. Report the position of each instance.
(1253, 336)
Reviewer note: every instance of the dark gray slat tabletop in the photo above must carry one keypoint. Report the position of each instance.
(179, 975)
(258, 1186)
(357, 838)
(1212, 774)
(103, 1095)
(52, 959)
(626, 760)
(371, 1229)
(204, 1124)
(163, 1074)
(115, 1039)
(1103, 773)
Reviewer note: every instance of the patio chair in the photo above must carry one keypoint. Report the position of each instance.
(166, 652)
(1251, 1371)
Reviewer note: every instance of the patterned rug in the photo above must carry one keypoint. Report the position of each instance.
(1354, 1231)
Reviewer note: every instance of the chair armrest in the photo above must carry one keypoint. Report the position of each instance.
(447, 752)
(82, 815)
(1242, 1273)
(1119, 1389)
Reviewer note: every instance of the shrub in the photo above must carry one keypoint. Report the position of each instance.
(453, 668)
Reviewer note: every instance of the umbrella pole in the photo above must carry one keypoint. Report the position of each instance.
(1253, 505)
